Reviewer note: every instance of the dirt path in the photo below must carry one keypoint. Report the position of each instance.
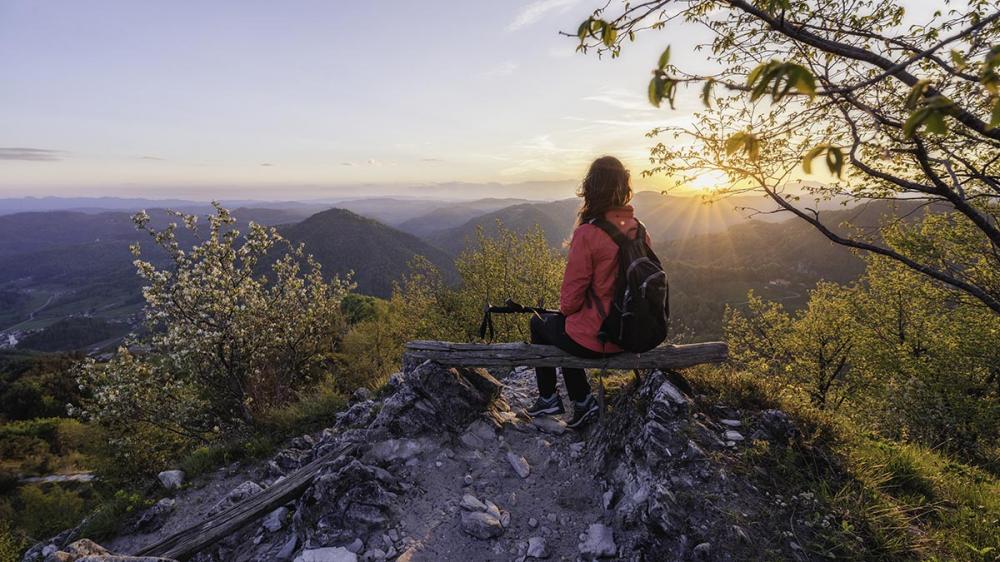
(556, 501)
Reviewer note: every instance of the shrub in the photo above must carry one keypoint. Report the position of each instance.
(107, 519)
(234, 331)
(45, 512)
(13, 543)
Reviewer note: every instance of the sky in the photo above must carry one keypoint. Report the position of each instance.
(311, 98)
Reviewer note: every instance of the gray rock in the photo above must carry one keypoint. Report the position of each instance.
(472, 503)
(122, 558)
(154, 517)
(702, 551)
(235, 496)
(432, 398)
(519, 464)
(730, 423)
(346, 499)
(361, 394)
(483, 430)
(778, 425)
(293, 458)
(356, 546)
(537, 548)
(549, 425)
(374, 554)
(288, 548)
(329, 554)
(532, 522)
(733, 435)
(359, 414)
(493, 509)
(599, 542)
(84, 547)
(481, 525)
(171, 479)
(694, 452)
(275, 520)
(607, 498)
(467, 479)
(395, 449)
(471, 440)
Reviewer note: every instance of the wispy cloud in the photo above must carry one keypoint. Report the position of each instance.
(266, 164)
(147, 157)
(31, 154)
(505, 68)
(622, 99)
(535, 11)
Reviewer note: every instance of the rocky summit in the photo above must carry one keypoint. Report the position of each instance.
(446, 467)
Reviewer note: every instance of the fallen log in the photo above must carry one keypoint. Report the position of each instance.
(187, 542)
(531, 355)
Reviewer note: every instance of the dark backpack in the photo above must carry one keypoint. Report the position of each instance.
(640, 310)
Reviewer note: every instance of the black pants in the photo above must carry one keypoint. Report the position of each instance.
(550, 329)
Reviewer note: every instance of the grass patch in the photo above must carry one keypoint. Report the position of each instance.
(106, 520)
(313, 412)
(870, 498)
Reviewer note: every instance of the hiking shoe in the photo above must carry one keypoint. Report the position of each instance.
(584, 412)
(546, 406)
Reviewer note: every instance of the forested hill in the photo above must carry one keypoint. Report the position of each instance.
(377, 254)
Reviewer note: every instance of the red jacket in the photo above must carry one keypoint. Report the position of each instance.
(593, 262)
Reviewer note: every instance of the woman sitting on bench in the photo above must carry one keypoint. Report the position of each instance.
(587, 290)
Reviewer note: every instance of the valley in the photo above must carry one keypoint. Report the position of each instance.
(59, 267)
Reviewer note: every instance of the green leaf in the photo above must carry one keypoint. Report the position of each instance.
(914, 121)
(916, 93)
(664, 59)
(756, 73)
(734, 143)
(746, 141)
(706, 92)
(655, 90)
(608, 34)
(995, 116)
(810, 156)
(584, 29)
(835, 160)
(934, 122)
(805, 82)
(958, 60)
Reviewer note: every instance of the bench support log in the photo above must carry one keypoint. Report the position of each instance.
(187, 542)
(530, 355)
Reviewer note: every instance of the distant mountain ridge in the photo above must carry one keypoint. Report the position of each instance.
(378, 254)
(667, 217)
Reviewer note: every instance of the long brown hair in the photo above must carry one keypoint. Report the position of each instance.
(606, 186)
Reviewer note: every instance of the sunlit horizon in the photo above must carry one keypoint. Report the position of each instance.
(237, 99)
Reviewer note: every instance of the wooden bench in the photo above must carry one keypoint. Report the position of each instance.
(530, 355)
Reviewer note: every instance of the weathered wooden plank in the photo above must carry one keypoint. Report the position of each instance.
(530, 355)
(188, 542)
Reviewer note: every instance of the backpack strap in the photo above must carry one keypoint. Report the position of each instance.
(640, 233)
(611, 230)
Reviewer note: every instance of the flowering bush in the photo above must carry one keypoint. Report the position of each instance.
(232, 330)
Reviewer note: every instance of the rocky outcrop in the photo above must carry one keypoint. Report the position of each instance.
(432, 398)
(442, 468)
(348, 500)
(85, 550)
